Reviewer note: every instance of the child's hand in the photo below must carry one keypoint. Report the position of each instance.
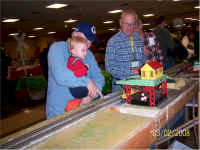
(86, 100)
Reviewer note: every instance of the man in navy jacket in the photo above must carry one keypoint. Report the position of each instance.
(60, 78)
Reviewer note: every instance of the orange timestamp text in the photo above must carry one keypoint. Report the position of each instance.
(171, 132)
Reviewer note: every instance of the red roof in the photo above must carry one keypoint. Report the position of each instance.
(155, 64)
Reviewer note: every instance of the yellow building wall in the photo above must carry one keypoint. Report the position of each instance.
(148, 69)
(160, 73)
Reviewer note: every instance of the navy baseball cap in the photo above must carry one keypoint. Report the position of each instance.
(88, 30)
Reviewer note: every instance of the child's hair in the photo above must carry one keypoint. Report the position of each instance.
(76, 39)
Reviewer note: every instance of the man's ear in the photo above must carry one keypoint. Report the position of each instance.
(120, 22)
(89, 44)
(74, 34)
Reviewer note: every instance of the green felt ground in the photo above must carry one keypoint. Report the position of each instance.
(136, 80)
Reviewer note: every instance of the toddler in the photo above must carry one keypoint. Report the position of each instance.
(78, 47)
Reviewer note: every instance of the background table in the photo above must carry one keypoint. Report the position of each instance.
(31, 88)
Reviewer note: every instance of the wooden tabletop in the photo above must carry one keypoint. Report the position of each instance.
(112, 129)
(144, 138)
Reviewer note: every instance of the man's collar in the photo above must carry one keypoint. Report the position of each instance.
(123, 34)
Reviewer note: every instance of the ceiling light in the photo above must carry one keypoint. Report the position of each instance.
(197, 7)
(13, 34)
(148, 15)
(70, 21)
(57, 6)
(115, 11)
(194, 19)
(146, 24)
(27, 111)
(176, 0)
(51, 32)
(10, 20)
(178, 25)
(112, 29)
(107, 22)
(36, 29)
(31, 36)
(188, 18)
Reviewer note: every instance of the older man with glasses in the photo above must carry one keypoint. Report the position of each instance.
(125, 50)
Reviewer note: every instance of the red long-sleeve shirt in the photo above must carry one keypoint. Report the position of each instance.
(77, 66)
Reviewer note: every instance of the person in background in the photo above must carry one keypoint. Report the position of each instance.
(60, 78)
(43, 58)
(196, 41)
(5, 62)
(152, 48)
(125, 50)
(166, 42)
(188, 42)
(180, 52)
(78, 48)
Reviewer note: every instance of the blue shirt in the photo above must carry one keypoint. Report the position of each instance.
(60, 78)
(120, 60)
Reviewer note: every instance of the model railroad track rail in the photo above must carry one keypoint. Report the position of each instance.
(178, 69)
(28, 139)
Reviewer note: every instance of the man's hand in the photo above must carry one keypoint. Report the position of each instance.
(93, 89)
(100, 94)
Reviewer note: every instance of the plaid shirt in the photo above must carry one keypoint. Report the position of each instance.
(119, 59)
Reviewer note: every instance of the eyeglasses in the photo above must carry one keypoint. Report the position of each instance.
(128, 25)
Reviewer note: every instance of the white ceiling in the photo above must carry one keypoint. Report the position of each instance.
(34, 14)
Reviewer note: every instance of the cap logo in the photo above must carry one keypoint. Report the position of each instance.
(93, 30)
(76, 30)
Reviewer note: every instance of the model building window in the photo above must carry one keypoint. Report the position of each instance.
(151, 73)
(143, 73)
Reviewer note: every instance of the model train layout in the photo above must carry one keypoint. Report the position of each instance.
(148, 89)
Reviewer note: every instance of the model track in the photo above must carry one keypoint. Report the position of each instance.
(28, 139)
